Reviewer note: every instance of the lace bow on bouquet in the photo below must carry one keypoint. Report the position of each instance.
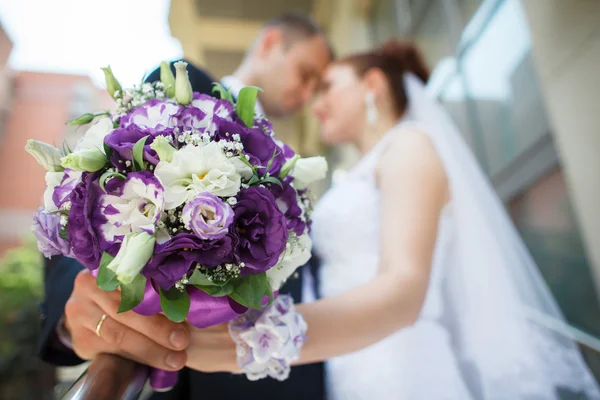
(185, 203)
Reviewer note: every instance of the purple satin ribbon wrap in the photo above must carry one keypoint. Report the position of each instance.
(204, 311)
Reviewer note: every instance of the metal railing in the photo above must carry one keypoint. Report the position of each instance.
(109, 377)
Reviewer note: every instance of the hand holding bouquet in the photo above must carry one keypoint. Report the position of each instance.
(185, 203)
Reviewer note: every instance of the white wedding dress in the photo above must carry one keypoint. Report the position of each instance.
(414, 363)
(473, 339)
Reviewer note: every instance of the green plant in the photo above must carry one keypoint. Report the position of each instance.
(21, 290)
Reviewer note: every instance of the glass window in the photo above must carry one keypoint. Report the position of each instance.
(500, 80)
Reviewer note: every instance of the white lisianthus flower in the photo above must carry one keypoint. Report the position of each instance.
(94, 136)
(135, 251)
(244, 170)
(308, 170)
(296, 255)
(53, 179)
(138, 206)
(197, 169)
(46, 155)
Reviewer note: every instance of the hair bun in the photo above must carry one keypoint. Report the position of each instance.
(407, 56)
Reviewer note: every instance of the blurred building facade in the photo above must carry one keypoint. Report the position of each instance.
(34, 105)
(519, 77)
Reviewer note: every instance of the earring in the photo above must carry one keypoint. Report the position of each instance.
(371, 108)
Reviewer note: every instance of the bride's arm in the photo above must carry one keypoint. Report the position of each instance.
(413, 189)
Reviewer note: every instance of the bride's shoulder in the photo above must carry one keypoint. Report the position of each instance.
(407, 142)
(410, 151)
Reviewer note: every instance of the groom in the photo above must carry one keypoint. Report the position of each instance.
(286, 61)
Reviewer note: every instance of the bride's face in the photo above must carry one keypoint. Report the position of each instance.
(339, 105)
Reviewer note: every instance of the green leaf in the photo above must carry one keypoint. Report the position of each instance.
(132, 294)
(224, 94)
(272, 179)
(250, 290)
(253, 180)
(246, 162)
(63, 233)
(138, 154)
(107, 280)
(104, 177)
(107, 150)
(270, 163)
(175, 304)
(246, 101)
(217, 291)
(66, 149)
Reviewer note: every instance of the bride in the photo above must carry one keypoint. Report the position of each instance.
(428, 291)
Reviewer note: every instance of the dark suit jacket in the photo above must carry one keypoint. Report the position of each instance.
(305, 382)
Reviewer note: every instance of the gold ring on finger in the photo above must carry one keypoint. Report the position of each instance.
(99, 325)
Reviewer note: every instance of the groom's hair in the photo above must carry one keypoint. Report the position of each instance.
(297, 26)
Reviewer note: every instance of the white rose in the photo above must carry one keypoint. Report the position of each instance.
(135, 251)
(197, 169)
(295, 256)
(309, 170)
(53, 179)
(94, 137)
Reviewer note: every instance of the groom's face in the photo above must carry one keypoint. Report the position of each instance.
(291, 74)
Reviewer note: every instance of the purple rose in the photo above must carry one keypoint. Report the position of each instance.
(84, 218)
(63, 191)
(46, 228)
(152, 118)
(287, 201)
(259, 147)
(261, 227)
(176, 257)
(207, 216)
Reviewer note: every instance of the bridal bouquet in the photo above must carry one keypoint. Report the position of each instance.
(185, 203)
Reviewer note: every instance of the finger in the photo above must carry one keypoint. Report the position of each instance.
(123, 340)
(157, 327)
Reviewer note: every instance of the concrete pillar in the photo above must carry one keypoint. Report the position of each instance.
(566, 48)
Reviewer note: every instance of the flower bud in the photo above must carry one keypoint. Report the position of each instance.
(167, 78)
(163, 148)
(46, 155)
(112, 84)
(135, 251)
(86, 160)
(309, 170)
(287, 167)
(183, 87)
